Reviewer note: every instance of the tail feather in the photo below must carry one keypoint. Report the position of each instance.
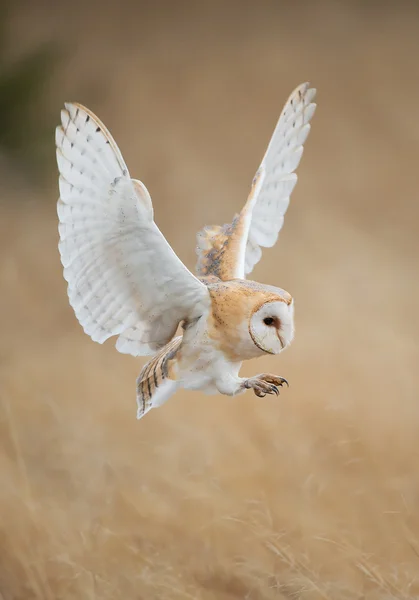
(157, 380)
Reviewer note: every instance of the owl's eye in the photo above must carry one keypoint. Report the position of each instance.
(268, 321)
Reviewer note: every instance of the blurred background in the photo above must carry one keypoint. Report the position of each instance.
(312, 495)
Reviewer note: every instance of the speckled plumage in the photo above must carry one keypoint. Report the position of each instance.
(125, 280)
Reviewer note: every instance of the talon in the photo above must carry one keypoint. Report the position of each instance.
(281, 381)
(265, 384)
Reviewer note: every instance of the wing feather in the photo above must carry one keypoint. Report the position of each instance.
(123, 277)
(262, 217)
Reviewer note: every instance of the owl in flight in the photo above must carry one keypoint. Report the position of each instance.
(125, 280)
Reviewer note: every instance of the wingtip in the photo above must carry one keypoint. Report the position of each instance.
(77, 105)
(302, 88)
(306, 91)
(65, 118)
(310, 95)
(59, 134)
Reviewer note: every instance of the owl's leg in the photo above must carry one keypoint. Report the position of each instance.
(265, 383)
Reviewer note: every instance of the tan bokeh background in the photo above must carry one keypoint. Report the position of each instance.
(312, 495)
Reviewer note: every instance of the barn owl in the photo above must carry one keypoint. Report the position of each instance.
(125, 280)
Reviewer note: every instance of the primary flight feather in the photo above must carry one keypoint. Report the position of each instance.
(125, 280)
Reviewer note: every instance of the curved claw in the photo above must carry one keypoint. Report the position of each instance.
(275, 379)
(265, 384)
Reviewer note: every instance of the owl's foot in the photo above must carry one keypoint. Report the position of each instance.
(265, 384)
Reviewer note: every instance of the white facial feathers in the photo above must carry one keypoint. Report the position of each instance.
(272, 326)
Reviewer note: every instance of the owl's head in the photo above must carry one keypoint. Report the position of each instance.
(271, 324)
(250, 319)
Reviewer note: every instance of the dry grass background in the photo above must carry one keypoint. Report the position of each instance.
(311, 496)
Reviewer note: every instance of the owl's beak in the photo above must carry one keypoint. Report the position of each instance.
(281, 339)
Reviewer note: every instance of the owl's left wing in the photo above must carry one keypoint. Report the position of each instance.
(231, 251)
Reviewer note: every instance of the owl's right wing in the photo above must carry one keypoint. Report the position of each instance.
(123, 277)
(231, 251)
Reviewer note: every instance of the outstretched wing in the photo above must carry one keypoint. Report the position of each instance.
(123, 277)
(231, 251)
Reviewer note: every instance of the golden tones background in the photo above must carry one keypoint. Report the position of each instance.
(313, 495)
